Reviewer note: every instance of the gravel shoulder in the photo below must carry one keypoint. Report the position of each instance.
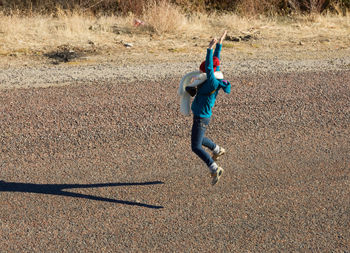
(30, 72)
(96, 157)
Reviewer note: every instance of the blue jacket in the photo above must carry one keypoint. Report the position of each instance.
(207, 92)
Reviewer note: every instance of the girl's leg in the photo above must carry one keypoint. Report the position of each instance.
(208, 143)
(217, 151)
(197, 140)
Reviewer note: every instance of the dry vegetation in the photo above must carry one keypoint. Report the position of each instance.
(168, 29)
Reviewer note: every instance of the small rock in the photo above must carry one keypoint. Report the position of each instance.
(239, 38)
(324, 40)
(246, 38)
(128, 45)
(232, 38)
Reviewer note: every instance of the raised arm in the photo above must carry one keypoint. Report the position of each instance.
(222, 38)
(219, 47)
(211, 83)
(209, 59)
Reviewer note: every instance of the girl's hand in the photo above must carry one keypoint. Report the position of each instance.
(223, 36)
(212, 43)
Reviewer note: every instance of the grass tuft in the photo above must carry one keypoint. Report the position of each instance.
(163, 17)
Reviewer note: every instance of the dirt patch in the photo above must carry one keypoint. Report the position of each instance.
(67, 53)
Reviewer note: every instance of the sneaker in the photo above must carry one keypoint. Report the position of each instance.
(217, 156)
(216, 175)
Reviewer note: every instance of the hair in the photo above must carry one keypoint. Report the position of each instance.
(216, 62)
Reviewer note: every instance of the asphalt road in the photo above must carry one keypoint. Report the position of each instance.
(107, 167)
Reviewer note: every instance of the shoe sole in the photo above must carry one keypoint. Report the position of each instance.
(217, 178)
(216, 157)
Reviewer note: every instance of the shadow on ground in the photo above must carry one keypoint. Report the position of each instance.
(59, 190)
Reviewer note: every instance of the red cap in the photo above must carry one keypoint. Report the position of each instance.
(216, 63)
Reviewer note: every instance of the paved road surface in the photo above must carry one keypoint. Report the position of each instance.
(107, 167)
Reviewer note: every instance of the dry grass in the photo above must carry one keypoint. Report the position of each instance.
(168, 30)
(162, 17)
(41, 33)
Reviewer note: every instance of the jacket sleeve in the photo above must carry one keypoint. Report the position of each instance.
(218, 50)
(211, 83)
(226, 86)
(217, 54)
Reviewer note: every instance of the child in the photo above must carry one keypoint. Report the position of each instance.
(202, 105)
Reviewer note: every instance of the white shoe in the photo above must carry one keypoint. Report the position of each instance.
(216, 175)
(217, 156)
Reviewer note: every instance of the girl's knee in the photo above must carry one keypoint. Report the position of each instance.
(196, 148)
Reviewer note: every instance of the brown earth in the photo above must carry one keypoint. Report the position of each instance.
(107, 167)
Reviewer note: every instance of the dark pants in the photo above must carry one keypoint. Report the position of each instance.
(198, 139)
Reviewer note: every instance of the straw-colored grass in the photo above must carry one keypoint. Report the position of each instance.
(41, 33)
(162, 17)
(167, 28)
